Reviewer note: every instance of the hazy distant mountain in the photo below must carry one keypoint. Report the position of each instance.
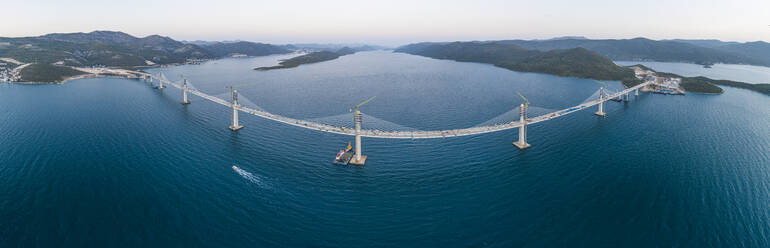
(334, 47)
(641, 49)
(205, 42)
(221, 49)
(569, 38)
(759, 50)
(706, 43)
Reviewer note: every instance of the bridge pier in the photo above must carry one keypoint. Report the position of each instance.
(601, 103)
(636, 92)
(184, 93)
(627, 99)
(235, 126)
(160, 84)
(522, 142)
(358, 158)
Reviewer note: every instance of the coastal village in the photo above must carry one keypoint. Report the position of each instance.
(662, 85)
(9, 70)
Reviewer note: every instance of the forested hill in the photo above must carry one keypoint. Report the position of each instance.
(641, 49)
(109, 48)
(576, 62)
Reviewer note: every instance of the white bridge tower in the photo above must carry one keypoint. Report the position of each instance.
(522, 142)
(184, 93)
(601, 103)
(359, 158)
(235, 126)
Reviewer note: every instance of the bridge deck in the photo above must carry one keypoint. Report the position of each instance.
(403, 134)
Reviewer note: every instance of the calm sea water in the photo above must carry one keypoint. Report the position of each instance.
(111, 162)
(742, 73)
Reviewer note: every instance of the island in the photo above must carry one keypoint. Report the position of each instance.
(313, 57)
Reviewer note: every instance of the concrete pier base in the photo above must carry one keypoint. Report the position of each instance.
(600, 113)
(235, 128)
(521, 146)
(354, 161)
(185, 102)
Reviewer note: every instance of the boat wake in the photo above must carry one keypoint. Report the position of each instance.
(251, 177)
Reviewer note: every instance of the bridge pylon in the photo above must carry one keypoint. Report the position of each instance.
(522, 142)
(235, 126)
(601, 103)
(358, 158)
(184, 93)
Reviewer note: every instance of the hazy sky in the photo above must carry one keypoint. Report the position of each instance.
(392, 22)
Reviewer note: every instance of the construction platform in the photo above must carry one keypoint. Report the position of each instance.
(358, 162)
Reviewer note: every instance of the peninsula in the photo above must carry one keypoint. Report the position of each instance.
(705, 85)
(575, 62)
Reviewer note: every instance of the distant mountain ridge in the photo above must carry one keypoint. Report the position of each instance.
(220, 49)
(642, 49)
(710, 43)
(110, 48)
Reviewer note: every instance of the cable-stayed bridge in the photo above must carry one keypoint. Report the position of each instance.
(358, 132)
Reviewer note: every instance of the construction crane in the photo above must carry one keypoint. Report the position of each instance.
(362, 103)
(526, 102)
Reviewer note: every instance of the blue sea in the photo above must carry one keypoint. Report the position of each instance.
(111, 162)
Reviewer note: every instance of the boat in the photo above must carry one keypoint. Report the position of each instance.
(344, 156)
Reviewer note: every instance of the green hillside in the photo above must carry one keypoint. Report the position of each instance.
(577, 62)
(641, 49)
(47, 73)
